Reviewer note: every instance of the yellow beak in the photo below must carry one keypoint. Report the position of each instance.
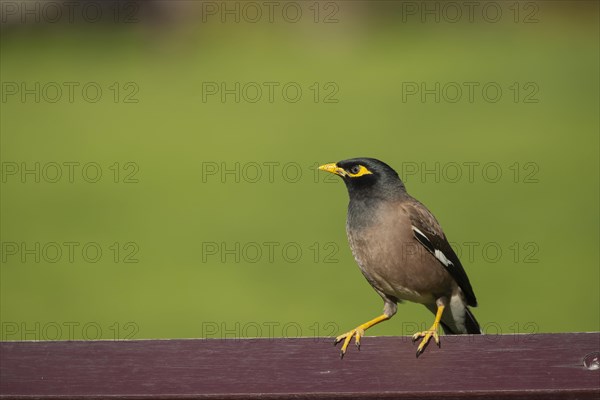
(332, 168)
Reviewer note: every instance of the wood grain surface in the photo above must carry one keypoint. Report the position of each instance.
(540, 366)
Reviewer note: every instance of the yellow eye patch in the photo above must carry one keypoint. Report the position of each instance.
(358, 170)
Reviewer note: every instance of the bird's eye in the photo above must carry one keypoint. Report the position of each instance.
(357, 171)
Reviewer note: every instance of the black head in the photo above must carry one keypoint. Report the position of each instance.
(367, 177)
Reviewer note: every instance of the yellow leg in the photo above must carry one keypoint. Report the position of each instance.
(357, 332)
(432, 332)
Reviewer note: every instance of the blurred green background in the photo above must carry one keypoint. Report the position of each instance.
(165, 138)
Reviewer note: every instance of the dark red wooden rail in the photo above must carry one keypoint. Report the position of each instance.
(542, 366)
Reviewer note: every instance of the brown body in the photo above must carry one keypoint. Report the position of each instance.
(387, 254)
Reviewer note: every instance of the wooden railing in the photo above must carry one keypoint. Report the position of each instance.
(540, 366)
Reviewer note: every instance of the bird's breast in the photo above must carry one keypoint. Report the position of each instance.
(392, 260)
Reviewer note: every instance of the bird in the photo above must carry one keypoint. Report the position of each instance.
(403, 253)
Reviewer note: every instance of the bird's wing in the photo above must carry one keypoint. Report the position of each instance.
(429, 233)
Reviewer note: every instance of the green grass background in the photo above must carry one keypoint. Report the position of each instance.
(171, 132)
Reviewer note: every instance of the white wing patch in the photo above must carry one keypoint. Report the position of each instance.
(437, 253)
(414, 228)
(440, 256)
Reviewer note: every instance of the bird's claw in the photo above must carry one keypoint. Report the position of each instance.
(426, 335)
(357, 333)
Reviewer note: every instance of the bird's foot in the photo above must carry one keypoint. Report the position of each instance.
(426, 335)
(357, 333)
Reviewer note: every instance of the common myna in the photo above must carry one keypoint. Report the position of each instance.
(402, 251)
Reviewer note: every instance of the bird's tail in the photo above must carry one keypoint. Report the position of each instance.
(471, 323)
(453, 327)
